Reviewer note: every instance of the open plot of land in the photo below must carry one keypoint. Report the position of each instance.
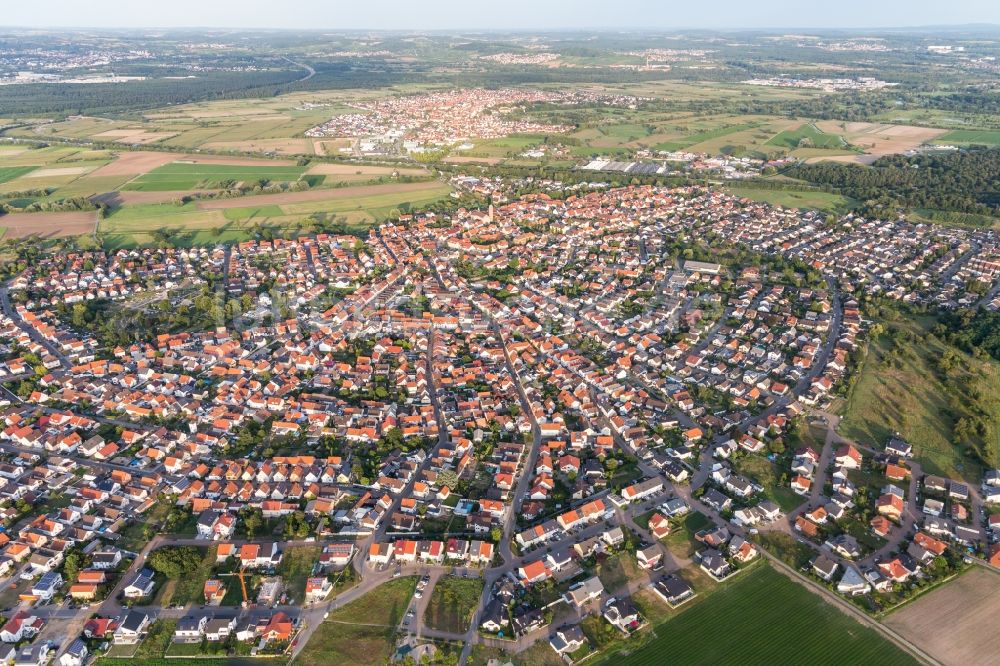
(955, 623)
(362, 631)
(764, 618)
(296, 566)
(74, 223)
(453, 603)
(901, 390)
(824, 201)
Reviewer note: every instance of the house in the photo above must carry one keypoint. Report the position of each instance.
(844, 545)
(880, 526)
(190, 628)
(674, 590)
(852, 582)
(21, 626)
(622, 614)
(106, 559)
(848, 456)
(75, 654)
(890, 506)
(898, 447)
(142, 585)
(649, 557)
(713, 563)
(214, 591)
(33, 655)
(584, 592)
(534, 572)
(219, 629)
(318, 589)
(132, 628)
(659, 526)
(46, 586)
(567, 639)
(824, 567)
(494, 616)
(525, 620)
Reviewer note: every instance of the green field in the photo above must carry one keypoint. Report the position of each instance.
(362, 631)
(698, 137)
(296, 566)
(985, 137)
(10, 173)
(452, 603)
(809, 132)
(902, 389)
(763, 618)
(190, 176)
(823, 201)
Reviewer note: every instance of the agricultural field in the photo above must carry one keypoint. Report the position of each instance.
(902, 388)
(808, 136)
(362, 631)
(877, 139)
(144, 191)
(763, 618)
(183, 175)
(979, 137)
(955, 622)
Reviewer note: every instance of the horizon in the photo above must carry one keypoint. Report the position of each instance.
(518, 16)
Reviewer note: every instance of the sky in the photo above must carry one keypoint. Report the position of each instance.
(532, 15)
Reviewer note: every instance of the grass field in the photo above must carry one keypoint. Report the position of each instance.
(823, 201)
(453, 602)
(10, 173)
(699, 137)
(768, 474)
(901, 389)
(807, 135)
(362, 631)
(681, 541)
(189, 176)
(763, 618)
(985, 137)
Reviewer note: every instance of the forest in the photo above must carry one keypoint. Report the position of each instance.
(959, 181)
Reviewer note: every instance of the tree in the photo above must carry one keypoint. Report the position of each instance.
(253, 520)
(175, 561)
(496, 534)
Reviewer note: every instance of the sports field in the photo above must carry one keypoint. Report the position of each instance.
(764, 618)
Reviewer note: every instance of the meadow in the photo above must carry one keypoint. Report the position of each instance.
(902, 389)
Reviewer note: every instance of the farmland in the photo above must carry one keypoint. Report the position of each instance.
(823, 201)
(981, 137)
(763, 618)
(954, 622)
(192, 175)
(807, 135)
(143, 191)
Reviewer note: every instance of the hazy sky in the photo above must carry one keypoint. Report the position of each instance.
(505, 14)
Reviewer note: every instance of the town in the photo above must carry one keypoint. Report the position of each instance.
(509, 397)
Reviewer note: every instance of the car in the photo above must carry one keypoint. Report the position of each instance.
(418, 594)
